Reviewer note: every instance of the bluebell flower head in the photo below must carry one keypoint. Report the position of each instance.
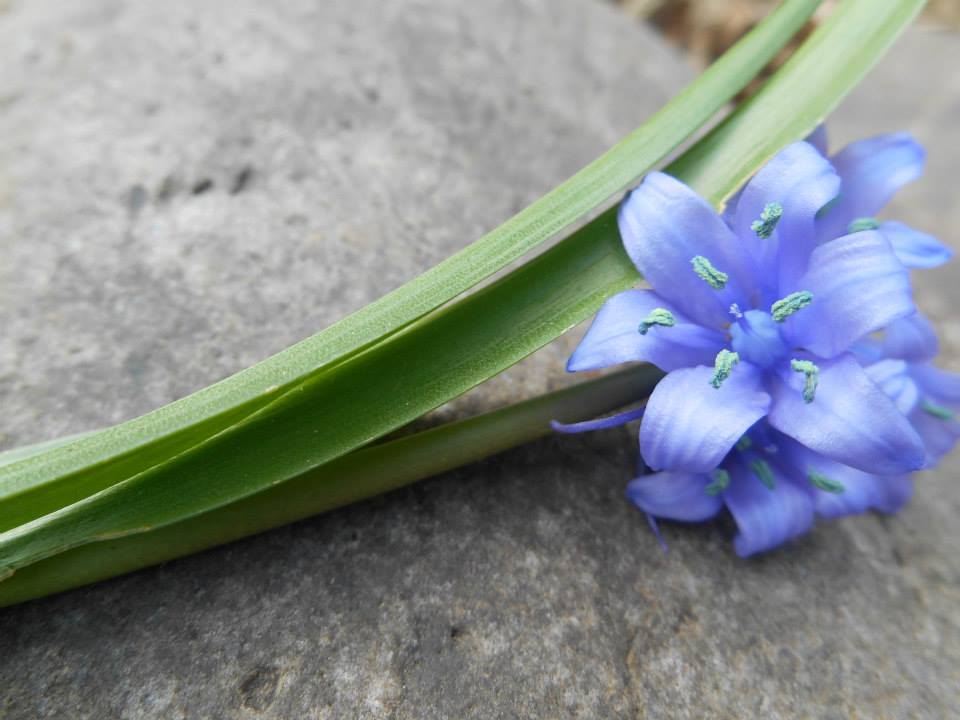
(763, 318)
(777, 403)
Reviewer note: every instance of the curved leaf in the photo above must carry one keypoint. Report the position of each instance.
(44, 482)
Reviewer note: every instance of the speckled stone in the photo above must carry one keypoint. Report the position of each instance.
(186, 188)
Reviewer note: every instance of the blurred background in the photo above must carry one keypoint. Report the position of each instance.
(705, 28)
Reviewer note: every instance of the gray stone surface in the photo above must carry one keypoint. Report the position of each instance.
(142, 260)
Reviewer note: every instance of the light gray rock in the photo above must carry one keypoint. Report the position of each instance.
(188, 187)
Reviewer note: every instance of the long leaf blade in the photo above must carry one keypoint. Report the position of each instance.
(42, 483)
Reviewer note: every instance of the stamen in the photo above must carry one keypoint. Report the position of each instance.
(735, 311)
(721, 479)
(782, 309)
(811, 377)
(657, 316)
(864, 223)
(764, 227)
(744, 443)
(708, 273)
(723, 366)
(763, 472)
(822, 482)
(938, 411)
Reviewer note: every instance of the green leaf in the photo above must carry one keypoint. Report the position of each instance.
(8, 457)
(356, 476)
(44, 482)
(450, 351)
(334, 412)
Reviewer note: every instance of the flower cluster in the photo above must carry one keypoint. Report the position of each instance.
(798, 368)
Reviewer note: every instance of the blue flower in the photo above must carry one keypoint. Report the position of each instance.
(779, 404)
(754, 317)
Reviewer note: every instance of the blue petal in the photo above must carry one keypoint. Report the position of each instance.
(600, 423)
(766, 518)
(675, 496)
(861, 491)
(914, 248)
(867, 351)
(850, 420)
(893, 378)
(911, 338)
(871, 171)
(941, 386)
(614, 337)
(802, 181)
(690, 426)
(858, 287)
(899, 491)
(664, 224)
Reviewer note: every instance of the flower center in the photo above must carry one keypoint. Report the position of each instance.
(756, 338)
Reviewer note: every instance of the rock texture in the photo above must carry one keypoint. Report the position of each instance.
(188, 187)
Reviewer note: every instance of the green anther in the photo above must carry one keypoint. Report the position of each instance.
(782, 309)
(763, 472)
(708, 273)
(657, 316)
(764, 227)
(721, 479)
(822, 482)
(864, 223)
(938, 411)
(811, 375)
(723, 366)
(744, 443)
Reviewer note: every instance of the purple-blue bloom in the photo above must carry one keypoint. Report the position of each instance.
(777, 404)
(756, 320)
